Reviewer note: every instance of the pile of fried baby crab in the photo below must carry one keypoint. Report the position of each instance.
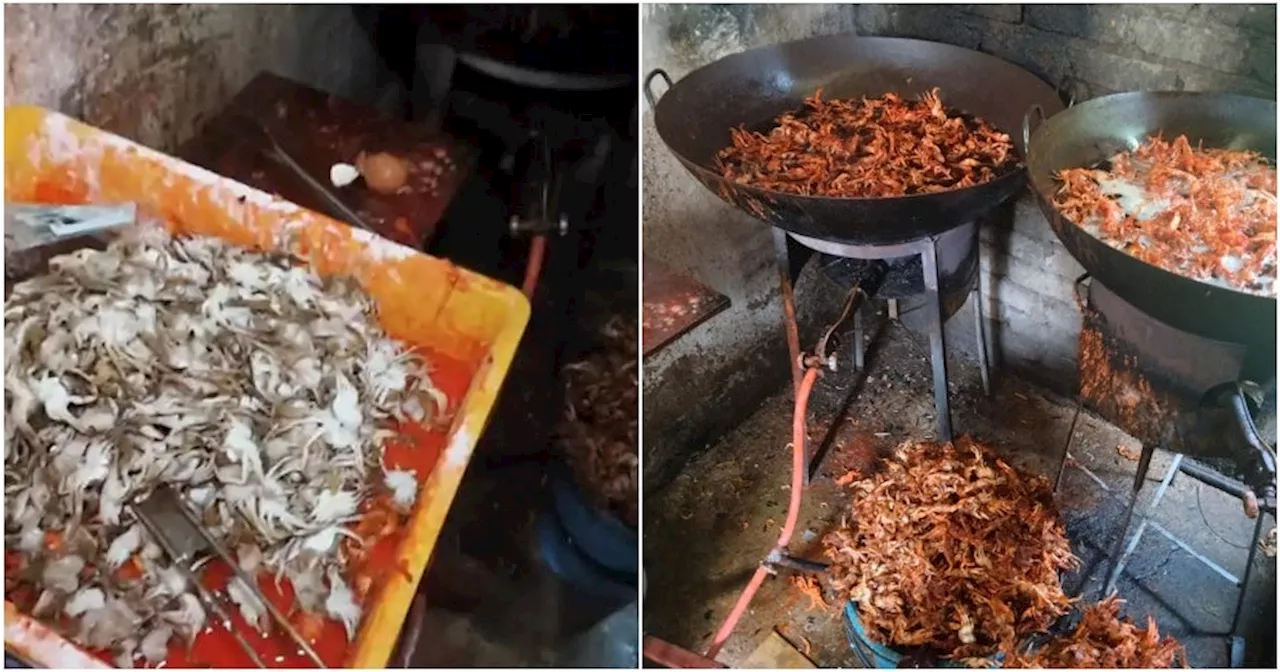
(948, 549)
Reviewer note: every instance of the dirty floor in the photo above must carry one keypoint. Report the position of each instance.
(707, 530)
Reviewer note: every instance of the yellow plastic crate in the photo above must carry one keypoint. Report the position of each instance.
(453, 314)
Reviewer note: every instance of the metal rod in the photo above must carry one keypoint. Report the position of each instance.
(210, 602)
(821, 357)
(859, 348)
(1106, 489)
(1235, 651)
(937, 340)
(1264, 476)
(282, 156)
(1066, 447)
(1214, 479)
(981, 333)
(252, 585)
(783, 260)
(1248, 571)
(1142, 525)
(798, 564)
(1144, 465)
(413, 630)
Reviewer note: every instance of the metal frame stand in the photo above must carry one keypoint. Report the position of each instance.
(1121, 551)
(792, 251)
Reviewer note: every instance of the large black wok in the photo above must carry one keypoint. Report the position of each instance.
(1098, 129)
(754, 87)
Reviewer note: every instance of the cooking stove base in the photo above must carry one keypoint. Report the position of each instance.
(1166, 388)
(943, 268)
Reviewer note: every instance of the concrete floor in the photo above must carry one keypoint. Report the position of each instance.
(706, 531)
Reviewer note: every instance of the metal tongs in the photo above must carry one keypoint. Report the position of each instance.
(181, 535)
(275, 150)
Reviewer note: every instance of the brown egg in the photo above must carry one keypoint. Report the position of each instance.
(384, 173)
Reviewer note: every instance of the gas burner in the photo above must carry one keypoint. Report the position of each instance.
(943, 268)
(1191, 395)
(904, 276)
(1175, 390)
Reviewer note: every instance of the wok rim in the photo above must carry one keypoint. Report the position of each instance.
(871, 201)
(1101, 103)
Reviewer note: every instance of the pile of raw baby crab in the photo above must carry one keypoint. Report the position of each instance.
(260, 391)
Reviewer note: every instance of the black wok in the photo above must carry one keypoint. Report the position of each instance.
(694, 117)
(1100, 128)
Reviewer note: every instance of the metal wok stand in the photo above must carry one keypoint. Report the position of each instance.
(1255, 507)
(793, 251)
(1121, 551)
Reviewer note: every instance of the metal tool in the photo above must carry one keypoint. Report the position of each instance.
(777, 559)
(34, 233)
(181, 535)
(275, 150)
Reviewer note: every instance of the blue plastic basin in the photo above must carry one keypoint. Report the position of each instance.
(884, 657)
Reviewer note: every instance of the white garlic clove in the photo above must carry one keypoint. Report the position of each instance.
(342, 174)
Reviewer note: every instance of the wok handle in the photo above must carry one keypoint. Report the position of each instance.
(1037, 111)
(648, 85)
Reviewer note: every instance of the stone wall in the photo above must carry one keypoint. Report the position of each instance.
(154, 73)
(713, 377)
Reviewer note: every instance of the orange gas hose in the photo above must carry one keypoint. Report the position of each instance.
(793, 511)
(537, 250)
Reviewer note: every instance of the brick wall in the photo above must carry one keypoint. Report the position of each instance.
(1093, 50)
(1105, 48)
(709, 380)
(153, 73)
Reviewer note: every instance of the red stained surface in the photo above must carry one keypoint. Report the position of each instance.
(673, 304)
(417, 448)
(62, 191)
(320, 130)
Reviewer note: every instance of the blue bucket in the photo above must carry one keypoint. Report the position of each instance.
(882, 657)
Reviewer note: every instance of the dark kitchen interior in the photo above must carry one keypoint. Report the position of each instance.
(719, 401)
(524, 118)
(544, 97)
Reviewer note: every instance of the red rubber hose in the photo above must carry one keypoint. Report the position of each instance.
(793, 512)
(537, 250)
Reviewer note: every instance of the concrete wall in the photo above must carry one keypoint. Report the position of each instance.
(153, 73)
(704, 383)
(707, 381)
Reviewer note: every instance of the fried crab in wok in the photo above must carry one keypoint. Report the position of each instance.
(870, 148)
(259, 391)
(1205, 214)
(949, 548)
